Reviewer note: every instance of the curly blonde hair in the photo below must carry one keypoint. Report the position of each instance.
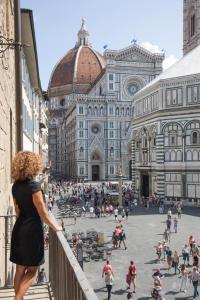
(26, 165)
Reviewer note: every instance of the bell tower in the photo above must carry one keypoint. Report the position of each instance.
(191, 25)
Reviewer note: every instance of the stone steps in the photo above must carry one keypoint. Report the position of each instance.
(35, 292)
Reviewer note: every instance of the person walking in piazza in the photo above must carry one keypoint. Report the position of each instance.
(186, 254)
(175, 225)
(195, 248)
(191, 242)
(179, 211)
(132, 273)
(91, 211)
(122, 238)
(195, 257)
(75, 217)
(41, 277)
(194, 279)
(175, 262)
(116, 213)
(107, 268)
(123, 214)
(184, 278)
(109, 283)
(126, 213)
(169, 257)
(27, 240)
(169, 214)
(169, 223)
(159, 250)
(166, 236)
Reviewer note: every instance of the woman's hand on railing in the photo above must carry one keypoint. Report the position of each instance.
(58, 228)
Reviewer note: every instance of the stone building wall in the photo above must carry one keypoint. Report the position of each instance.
(191, 25)
(7, 121)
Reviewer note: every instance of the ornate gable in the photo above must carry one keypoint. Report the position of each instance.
(133, 53)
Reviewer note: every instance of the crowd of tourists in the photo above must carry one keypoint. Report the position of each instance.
(95, 204)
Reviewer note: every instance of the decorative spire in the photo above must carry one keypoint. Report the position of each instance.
(83, 26)
(83, 35)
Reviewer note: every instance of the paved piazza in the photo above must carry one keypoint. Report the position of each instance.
(143, 231)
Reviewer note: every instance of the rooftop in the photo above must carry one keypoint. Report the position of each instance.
(188, 65)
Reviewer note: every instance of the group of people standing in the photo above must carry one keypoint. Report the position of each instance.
(186, 264)
(108, 274)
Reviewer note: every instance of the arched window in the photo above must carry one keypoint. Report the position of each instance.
(89, 110)
(194, 138)
(127, 111)
(111, 169)
(172, 140)
(95, 111)
(144, 142)
(122, 111)
(137, 144)
(192, 25)
(62, 102)
(111, 151)
(100, 91)
(101, 110)
(173, 134)
(117, 111)
(81, 150)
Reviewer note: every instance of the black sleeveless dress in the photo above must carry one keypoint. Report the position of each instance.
(27, 241)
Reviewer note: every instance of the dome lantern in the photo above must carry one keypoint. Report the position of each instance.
(83, 35)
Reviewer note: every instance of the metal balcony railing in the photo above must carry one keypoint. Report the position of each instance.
(7, 271)
(67, 280)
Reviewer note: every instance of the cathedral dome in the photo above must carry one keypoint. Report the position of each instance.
(77, 71)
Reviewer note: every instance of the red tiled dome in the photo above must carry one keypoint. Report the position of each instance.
(77, 70)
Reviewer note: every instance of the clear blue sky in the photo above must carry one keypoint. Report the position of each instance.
(111, 22)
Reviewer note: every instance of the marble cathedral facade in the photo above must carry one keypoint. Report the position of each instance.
(91, 108)
(166, 124)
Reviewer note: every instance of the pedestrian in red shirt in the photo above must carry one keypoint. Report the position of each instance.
(107, 268)
(132, 273)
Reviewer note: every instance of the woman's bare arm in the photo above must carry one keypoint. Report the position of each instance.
(17, 210)
(42, 211)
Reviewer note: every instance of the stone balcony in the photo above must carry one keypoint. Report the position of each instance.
(67, 281)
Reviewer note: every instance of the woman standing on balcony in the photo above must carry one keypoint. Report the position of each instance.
(27, 242)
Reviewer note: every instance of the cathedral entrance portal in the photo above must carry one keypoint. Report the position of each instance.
(145, 185)
(95, 173)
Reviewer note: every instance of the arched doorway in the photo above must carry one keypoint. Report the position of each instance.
(95, 173)
(96, 166)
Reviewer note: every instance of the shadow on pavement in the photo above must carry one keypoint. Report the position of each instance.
(172, 293)
(187, 297)
(119, 292)
(151, 262)
(102, 289)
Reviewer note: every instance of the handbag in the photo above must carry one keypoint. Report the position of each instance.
(128, 279)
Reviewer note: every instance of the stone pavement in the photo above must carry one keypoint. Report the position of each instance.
(143, 230)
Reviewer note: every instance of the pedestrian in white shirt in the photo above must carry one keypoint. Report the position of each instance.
(109, 283)
(116, 213)
(195, 277)
(91, 211)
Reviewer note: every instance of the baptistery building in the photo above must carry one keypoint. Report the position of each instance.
(166, 125)
(91, 108)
